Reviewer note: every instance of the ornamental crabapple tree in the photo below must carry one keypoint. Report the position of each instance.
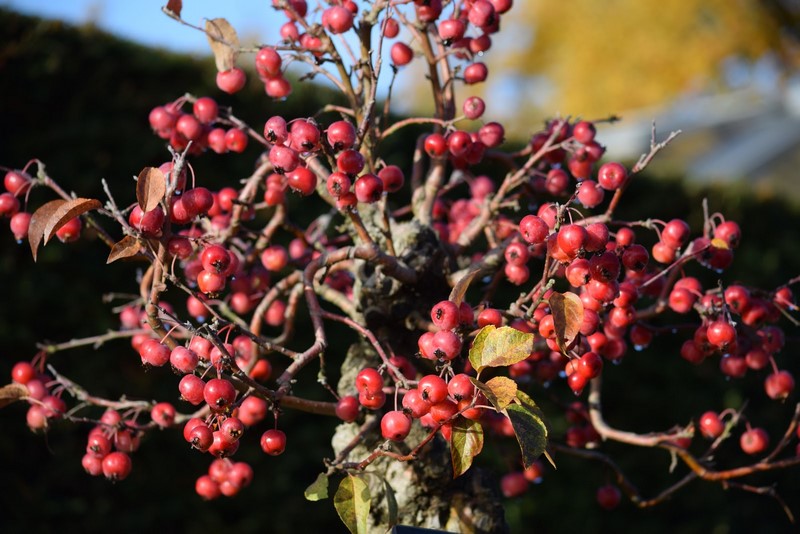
(476, 280)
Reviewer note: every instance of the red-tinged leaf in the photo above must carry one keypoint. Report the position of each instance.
(504, 391)
(12, 393)
(567, 310)
(38, 223)
(499, 347)
(466, 442)
(224, 43)
(151, 186)
(124, 248)
(318, 489)
(175, 6)
(460, 289)
(352, 502)
(530, 430)
(66, 212)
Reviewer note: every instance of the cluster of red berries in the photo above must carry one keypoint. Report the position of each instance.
(203, 126)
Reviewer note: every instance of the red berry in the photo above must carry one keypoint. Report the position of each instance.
(231, 81)
(608, 496)
(117, 466)
(268, 63)
(433, 388)
(675, 233)
(163, 414)
(347, 408)
(711, 426)
(219, 394)
(369, 380)
(273, 442)
(513, 484)
(445, 315)
(368, 188)
(721, 334)
(401, 54)
(754, 441)
(23, 372)
(533, 229)
(395, 425)
(779, 385)
(611, 176)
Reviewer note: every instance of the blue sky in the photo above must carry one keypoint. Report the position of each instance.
(142, 20)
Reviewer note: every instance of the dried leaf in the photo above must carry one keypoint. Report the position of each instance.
(175, 6)
(352, 502)
(460, 289)
(504, 391)
(567, 310)
(224, 43)
(66, 212)
(124, 248)
(38, 223)
(466, 442)
(499, 347)
(151, 186)
(318, 489)
(12, 393)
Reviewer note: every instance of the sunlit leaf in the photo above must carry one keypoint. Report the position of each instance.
(504, 391)
(352, 502)
(460, 289)
(318, 489)
(38, 223)
(498, 347)
(11, 393)
(567, 311)
(66, 212)
(466, 442)
(151, 186)
(224, 43)
(124, 248)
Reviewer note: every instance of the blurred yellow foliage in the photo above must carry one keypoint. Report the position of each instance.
(607, 56)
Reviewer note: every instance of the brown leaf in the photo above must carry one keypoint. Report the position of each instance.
(124, 248)
(175, 6)
(38, 223)
(460, 289)
(224, 43)
(567, 310)
(11, 393)
(151, 186)
(66, 212)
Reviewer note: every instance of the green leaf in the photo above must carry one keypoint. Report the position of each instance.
(391, 503)
(529, 427)
(318, 489)
(466, 443)
(504, 391)
(352, 502)
(499, 347)
(567, 311)
(524, 400)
